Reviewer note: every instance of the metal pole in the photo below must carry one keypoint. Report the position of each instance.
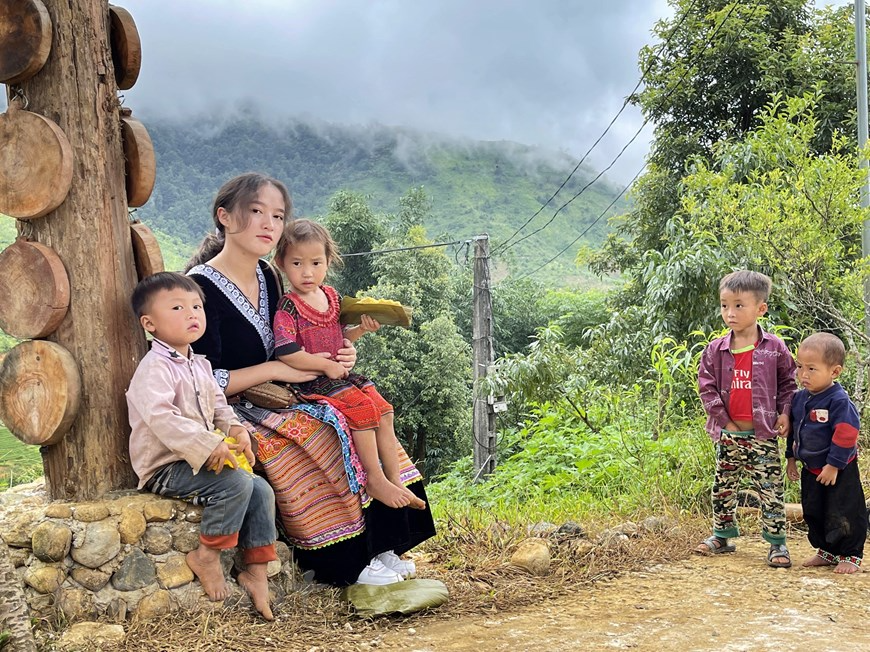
(482, 337)
(861, 60)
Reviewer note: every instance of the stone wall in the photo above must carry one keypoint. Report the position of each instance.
(116, 557)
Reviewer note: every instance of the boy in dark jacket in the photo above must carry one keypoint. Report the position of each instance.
(824, 438)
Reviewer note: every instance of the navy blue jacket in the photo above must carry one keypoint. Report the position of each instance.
(824, 428)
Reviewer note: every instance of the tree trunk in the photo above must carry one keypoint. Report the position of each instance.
(90, 231)
(419, 452)
(14, 615)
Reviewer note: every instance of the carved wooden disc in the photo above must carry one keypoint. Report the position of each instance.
(126, 47)
(40, 390)
(34, 290)
(146, 250)
(140, 165)
(36, 164)
(25, 39)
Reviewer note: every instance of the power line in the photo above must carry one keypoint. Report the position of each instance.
(389, 251)
(603, 134)
(586, 230)
(633, 138)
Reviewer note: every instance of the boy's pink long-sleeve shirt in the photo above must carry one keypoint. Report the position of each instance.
(174, 404)
(773, 383)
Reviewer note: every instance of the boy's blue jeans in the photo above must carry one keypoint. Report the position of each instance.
(237, 506)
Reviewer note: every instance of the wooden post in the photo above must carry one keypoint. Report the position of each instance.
(90, 231)
(481, 332)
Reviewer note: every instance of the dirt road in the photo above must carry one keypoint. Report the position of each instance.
(727, 603)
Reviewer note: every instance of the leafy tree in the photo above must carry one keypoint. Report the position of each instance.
(356, 229)
(520, 308)
(721, 66)
(710, 80)
(791, 213)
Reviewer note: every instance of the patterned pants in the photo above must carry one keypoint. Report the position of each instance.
(738, 453)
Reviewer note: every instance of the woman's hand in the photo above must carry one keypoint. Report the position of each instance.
(288, 374)
(336, 370)
(347, 355)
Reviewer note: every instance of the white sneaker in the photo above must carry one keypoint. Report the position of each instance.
(391, 560)
(378, 574)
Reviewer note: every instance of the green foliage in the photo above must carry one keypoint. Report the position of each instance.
(520, 308)
(19, 462)
(175, 252)
(675, 372)
(575, 313)
(793, 214)
(356, 228)
(702, 92)
(789, 211)
(619, 466)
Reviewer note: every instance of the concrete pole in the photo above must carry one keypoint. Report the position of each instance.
(482, 348)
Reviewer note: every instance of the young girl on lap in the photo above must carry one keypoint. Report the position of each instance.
(306, 324)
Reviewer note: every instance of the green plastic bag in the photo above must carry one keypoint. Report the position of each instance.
(402, 597)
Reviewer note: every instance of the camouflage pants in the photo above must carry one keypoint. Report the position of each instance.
(739, 453)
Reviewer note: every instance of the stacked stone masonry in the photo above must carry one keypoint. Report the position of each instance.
(114, 558)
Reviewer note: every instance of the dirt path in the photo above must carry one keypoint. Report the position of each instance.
(728, 603)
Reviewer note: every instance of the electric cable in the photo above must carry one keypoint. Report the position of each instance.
(621, 152)
(625, 103)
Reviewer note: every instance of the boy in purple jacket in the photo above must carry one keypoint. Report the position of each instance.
(746, 382)
(824, 437)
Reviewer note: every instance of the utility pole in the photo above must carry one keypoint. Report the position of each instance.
(861, 60)
(482, 338)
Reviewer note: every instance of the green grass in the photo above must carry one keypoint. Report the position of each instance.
(19, 462)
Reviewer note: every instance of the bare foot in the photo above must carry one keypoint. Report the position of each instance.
(206, 565)
(416, 503)
(815, 560)
(255, 581)
(846, 568)
(413, 501)
(379, 488)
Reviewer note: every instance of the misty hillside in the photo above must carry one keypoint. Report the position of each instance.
(474, 187)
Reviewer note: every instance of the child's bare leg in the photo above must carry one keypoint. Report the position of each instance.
(256, 582)
(378, 486)
(388, 451)
(205, 563)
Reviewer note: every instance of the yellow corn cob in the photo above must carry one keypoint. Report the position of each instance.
(241, 460)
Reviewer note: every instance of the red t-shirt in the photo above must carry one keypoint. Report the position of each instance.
(740, 399)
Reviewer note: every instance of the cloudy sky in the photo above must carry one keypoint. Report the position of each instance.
(551, 73)
(540, 72)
